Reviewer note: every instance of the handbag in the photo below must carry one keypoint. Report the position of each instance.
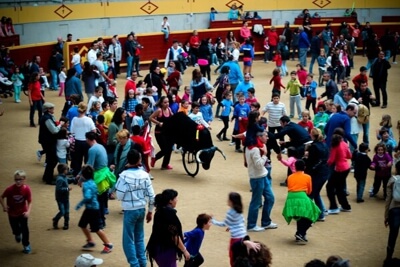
(153, 88)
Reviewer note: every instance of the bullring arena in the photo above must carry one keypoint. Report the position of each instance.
(359, 236)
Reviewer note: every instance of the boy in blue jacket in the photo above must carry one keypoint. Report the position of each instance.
(62, 195)
(91, 214)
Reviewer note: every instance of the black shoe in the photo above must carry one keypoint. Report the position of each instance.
(18, 238)
(283, 184)
(32, 125)
(360, 200)
(65, 227)
(384, 106)
(226, 139)
(55, 224)
(140, 75)
(219, 137)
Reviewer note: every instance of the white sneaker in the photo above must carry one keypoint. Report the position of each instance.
(232, 143)
(394, 62)
(271, 226)
(256, 229)
(334, 211)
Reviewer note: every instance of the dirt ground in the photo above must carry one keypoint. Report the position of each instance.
(359, 235)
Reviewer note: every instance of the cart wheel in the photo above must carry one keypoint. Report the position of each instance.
(190, 163)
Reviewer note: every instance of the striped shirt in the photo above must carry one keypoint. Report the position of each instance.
(275, 113)
(235, 222)
(134, 190)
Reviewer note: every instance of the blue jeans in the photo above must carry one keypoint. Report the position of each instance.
(303, 56)
(318, 181)
(36, 105)
(360, 188)
(166, 33)
(54, 79)
(365, 133)
(129, 62)
(326, 48)
(369, 63)
(133, 237)
(313, 58)
(261, 187)
(63, 211)
(284, 69)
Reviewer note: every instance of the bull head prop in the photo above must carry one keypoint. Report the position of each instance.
(204, 156)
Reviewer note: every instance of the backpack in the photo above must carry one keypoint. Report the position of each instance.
(396, 188)
(363, 114)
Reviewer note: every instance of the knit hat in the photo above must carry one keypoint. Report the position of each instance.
(47, 106)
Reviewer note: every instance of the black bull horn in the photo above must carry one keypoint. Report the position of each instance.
(204, 156)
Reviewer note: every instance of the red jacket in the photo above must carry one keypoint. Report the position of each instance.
(273, 38)
(130, 85)
(194, 41)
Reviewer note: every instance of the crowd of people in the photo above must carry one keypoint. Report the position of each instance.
(110, 144)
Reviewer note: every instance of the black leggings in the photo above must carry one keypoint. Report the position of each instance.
(225, 120)
(166, 149)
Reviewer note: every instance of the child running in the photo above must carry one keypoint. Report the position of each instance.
(298, 205)
(276, 78)
(62, 195)
(91, 214)
(194, 238)
(234, 221)
(18, 207)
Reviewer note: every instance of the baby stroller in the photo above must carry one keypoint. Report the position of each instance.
(6, 86)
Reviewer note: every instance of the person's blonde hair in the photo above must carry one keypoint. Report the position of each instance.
(19, 173)
(317, 134)
(306, 112)
(122, 133)
(82, 107)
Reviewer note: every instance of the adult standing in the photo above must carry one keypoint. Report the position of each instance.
(366, 98)
(59, 46)
(136, 59)
(161, 115)
(116, 125)
(76, 61)
(48, 139)
(98, 63)
(379, 71)
(283, 48)
(166, 241)
(244, 86)
(89, 77)
(199, 85)
(204, 59)
(34, 67)
(392, 216)
(194, 47)
(125, 144)
(336, 186)
(153, 79)
(175, 53)
(287, 32)
(73, 85)
(115, 52)
(372, 50)
(36, 98)
(91, 55)
(134, 189)
(315, 49)
(235, 74)
(304, 45)
(256, 157)
(130, 53)
(317, 167)
(245, 31)
(330, 87)
(55, 62)
(297, 134)
(103, 177)
(273, 40)
(79, 127)
(341, 120)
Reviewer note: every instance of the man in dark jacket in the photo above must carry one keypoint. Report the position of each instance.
(379, 73)
(48, 139)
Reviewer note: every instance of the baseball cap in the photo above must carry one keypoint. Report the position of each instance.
(87, 260)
